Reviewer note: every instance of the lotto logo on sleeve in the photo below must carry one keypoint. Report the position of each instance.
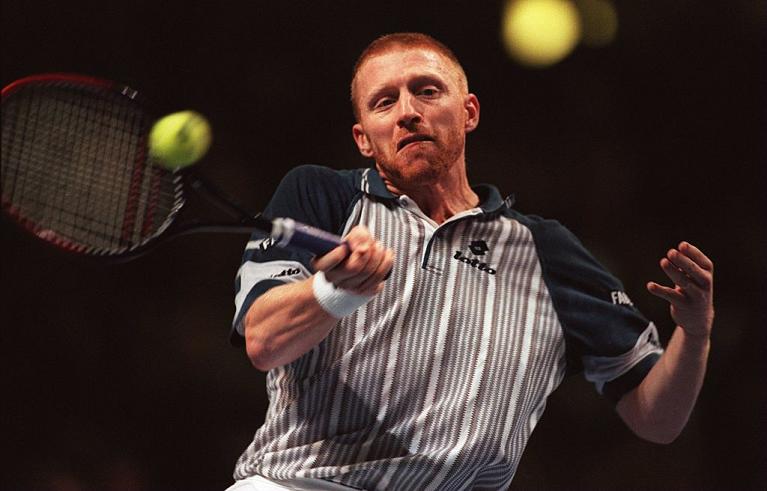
(286, 272)
(620, 298)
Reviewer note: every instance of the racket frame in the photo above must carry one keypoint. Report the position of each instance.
(286, 232)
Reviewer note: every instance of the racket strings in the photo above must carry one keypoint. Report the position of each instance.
(145, 202)
(74, 160)
(68, 176)
(57, 190)
(58, 182)
(82, 220)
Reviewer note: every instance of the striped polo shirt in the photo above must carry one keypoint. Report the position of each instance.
(438, 382)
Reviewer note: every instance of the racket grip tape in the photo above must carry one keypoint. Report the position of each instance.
(286, 232)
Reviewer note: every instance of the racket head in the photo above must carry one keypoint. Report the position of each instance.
(76, 170)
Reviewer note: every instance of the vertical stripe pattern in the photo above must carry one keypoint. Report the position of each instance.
(438, 382)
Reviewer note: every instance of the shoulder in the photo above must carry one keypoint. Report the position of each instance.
(549, 235)
(316, 195)
(313, 175)
(564, 260)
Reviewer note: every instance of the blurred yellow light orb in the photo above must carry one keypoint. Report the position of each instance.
(600, 21)
(540, 33)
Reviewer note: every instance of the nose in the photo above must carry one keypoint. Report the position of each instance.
(410, 114)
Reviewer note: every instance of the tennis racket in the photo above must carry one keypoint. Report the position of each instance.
(77, 174)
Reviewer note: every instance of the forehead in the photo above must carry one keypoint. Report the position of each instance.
(392, 67)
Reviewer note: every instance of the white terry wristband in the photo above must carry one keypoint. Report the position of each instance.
(336, 301)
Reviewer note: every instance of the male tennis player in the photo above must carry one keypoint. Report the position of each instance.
(435, 377)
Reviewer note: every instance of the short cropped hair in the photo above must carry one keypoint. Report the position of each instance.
(405, 40)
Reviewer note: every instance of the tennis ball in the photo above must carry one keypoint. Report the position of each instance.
(179, 139)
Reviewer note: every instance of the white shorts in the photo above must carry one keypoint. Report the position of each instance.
(260, 483)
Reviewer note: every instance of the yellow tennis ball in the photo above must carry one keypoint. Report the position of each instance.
(179, 139)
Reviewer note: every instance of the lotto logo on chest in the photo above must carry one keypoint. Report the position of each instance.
(477, 248)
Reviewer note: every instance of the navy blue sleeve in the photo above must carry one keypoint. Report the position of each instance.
(315, 195)
(606, 337)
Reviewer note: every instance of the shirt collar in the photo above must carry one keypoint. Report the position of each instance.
(371, 183)
(490, 199)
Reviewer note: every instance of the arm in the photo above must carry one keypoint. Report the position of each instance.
(660, 406)
(287, 321)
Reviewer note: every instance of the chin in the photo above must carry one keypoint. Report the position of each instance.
(415, 171)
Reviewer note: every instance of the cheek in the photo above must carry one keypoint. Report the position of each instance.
(452, 120)
(380, 139)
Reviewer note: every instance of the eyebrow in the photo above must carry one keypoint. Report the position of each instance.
(377, 94)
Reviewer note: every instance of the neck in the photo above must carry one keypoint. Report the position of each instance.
(446, 196)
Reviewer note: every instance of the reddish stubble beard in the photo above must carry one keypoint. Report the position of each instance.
(424, 163)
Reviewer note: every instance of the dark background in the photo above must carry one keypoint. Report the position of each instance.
(121, 376)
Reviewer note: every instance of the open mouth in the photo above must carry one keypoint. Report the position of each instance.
(413, 139)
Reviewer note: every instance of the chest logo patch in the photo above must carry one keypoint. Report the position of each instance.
(477, 248)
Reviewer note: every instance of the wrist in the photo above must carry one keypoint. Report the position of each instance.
(702, 338)
(336, 301)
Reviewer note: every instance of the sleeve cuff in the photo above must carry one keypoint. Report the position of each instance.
(615, 389)
(237, 333)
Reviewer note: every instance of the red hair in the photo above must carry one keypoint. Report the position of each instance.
(404, 41)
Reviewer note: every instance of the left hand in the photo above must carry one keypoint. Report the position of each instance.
(691, 298)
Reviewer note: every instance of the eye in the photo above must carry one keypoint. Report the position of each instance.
(384, 102)
(429, 91)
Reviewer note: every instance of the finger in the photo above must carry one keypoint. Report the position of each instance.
(358, 236)
(696, 255)
(671, 295)
(370, 285)
(675, 274)
(331, 259)
(701, 277)
(362, 269)
(370, 274)
(346, 273)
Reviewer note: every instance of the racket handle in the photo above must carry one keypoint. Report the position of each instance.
(286, 232)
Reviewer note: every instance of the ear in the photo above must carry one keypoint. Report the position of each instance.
(471, 105)
(361, 139)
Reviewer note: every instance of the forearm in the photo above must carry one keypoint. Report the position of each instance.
(284, 323)
(289, 320)
(658, 409)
